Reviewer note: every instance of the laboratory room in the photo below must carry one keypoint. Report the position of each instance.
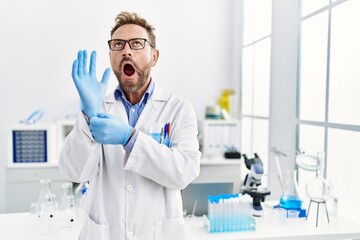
(180, 120)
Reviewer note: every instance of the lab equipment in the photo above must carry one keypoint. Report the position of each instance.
(69, 216)
(308, 162)
(45, 190)
(289, 199)
(111, 131)
(318, 189)
(253, 181)
(35, 216)
(49, 215)
(229, 213)
(232, 153)
(91, 91)
(219, 136)
(293, 213)
(32, 145)
(193, 210)
(67, 190)
(34, 117)
(213, 112)
(279, 216)
(199, 192)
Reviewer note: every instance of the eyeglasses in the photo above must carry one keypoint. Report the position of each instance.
(134, 44)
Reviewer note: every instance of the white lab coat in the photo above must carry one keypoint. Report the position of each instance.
(136, 196)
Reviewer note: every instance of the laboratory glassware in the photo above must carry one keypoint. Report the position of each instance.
(318, 189)
(67, 209)
(45, 189)
(290, 198)
(67, 190)
(49, 215)
(69, 216)
(34, 217)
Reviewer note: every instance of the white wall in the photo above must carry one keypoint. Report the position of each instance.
(40, 39)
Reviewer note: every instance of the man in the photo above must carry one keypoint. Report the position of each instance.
(137, 147)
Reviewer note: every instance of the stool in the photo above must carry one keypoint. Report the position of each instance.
(318, 201)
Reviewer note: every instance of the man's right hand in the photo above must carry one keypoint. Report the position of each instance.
(91, 91)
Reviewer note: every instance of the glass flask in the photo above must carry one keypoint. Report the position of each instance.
(290, 198)
(34, 219)
(69, 216)
(67, 190)
(49, 215)
(45, 189)
(319, 189)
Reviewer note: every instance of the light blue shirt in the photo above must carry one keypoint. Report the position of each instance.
(133, 112)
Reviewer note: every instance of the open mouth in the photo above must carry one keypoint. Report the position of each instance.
(128, 69)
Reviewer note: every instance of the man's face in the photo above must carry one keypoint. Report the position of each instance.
(132, 67)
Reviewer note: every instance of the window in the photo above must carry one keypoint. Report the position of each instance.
(255, 78)
(329, 99)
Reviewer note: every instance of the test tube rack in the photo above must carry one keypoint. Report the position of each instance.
(229, 213)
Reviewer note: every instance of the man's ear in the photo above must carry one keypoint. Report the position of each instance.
(155, 56)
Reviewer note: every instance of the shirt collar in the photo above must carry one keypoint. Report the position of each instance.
(119, 93)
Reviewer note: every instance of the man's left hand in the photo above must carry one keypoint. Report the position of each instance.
(108, 129)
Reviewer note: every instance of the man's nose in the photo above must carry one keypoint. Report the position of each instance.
(127, 50)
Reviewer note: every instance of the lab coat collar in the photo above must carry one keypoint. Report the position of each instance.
(158, 98)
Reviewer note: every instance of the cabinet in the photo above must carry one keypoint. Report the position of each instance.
(23, 179)
(23, 186)
(220, 136)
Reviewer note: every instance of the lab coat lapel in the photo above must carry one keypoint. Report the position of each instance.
(119, 110)
(158, 97)
(109, 102)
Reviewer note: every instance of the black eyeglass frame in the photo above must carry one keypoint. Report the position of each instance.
(128, 42)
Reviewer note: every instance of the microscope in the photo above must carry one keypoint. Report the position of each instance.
(253, 181)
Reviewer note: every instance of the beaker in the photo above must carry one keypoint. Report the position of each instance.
(279, 215)
(290, 198)
(44, 190)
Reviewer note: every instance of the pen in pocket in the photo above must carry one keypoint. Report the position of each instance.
(161, 135)
(167, 131)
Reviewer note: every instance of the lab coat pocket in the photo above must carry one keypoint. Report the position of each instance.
(173, 229)
(157, 137)
(160, 132)
(93, 231)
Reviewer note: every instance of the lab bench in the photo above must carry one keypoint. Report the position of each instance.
(339, 228)
(22, 183)
(14, 226)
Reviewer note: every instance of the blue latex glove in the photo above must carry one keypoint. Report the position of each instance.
(91, 91)
(108, 129)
